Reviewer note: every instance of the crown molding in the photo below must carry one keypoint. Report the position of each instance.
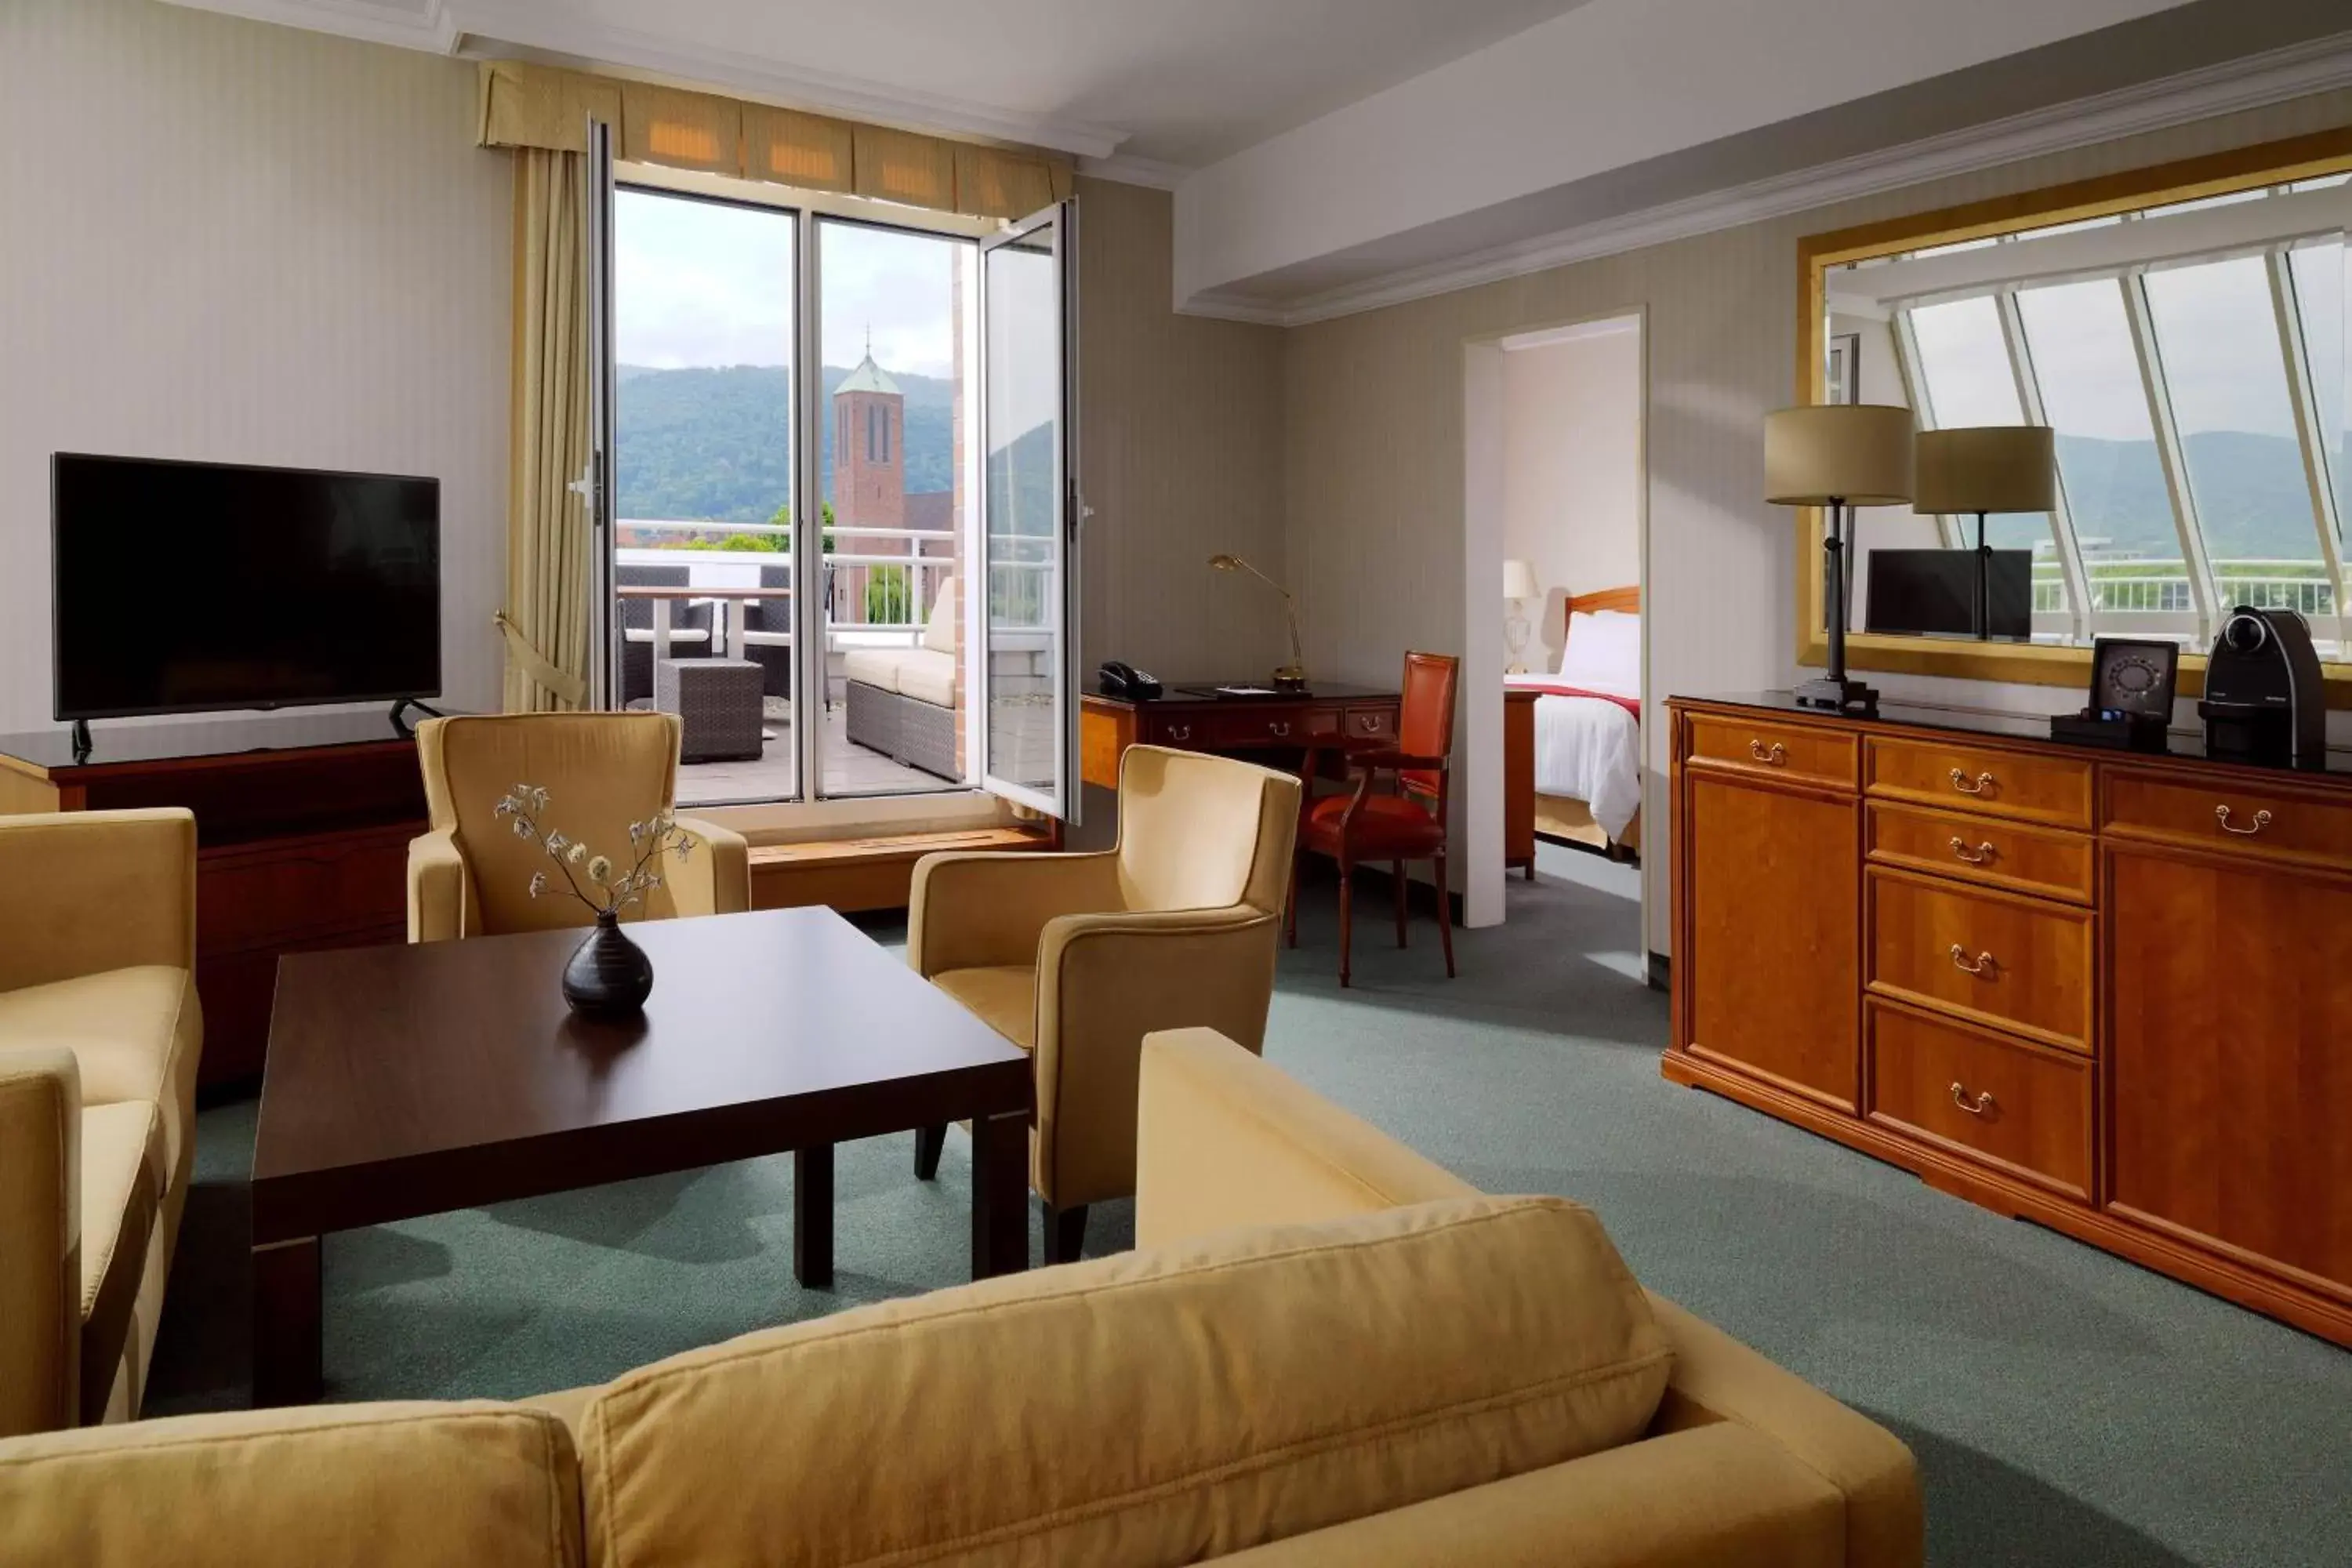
(476, 27)
(1129, 170)
(431, 30)
(1229, 310)
(2254, 82)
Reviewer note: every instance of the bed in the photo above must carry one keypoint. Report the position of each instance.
(1580, 778)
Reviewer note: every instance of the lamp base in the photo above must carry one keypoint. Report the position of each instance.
(1839, 694)
(1290, 677)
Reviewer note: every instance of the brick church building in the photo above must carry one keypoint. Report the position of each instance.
(869, 487)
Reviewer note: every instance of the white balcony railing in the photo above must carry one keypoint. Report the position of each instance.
(2161, 588)
(884, 592)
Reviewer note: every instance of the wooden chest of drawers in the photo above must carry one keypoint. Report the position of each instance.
(2108, 992)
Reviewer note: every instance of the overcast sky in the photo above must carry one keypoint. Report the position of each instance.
(697, 283)
(703, 284)
(2214, 327)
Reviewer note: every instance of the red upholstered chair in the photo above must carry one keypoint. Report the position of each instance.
(1409, 825)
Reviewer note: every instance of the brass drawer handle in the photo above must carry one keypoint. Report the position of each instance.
(1961, 782)
(1981, 854)
(1977, 1105)
(1279, 728)
(1368, 723)
(1775, 757)
(1180, 732)
(2222, 816)
(1983, 963)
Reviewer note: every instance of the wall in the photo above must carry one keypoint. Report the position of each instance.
(276, 247)
(1375, 469)
(1573, 470)
(1180, 435)
(228, 240)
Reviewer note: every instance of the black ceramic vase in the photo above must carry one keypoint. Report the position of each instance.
(609, 976)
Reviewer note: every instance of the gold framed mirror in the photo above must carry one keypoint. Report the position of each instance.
(2182, 330)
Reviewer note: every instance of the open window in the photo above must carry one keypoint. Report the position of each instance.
(832, 477)
(1026, 624)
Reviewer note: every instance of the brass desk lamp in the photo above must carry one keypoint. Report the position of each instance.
(1291, 676)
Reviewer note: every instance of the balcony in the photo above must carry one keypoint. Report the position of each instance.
(882, 586)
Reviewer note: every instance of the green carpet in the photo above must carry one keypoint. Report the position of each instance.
(2067, 1407)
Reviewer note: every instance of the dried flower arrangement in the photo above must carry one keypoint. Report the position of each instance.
(602, 892)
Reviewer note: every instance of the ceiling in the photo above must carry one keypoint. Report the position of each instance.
(1332, 155)
(1169, 83)
(1181, 81)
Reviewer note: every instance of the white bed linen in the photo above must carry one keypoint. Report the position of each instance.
(1589, 749)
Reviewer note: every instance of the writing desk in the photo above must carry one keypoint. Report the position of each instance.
(1269, 727)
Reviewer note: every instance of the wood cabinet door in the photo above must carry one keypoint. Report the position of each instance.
(1774, 933)
(2230, 1081)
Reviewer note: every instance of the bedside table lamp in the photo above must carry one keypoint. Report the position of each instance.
(1291, 676)
(1839, 455)
(1980, 469)
(1519, 587)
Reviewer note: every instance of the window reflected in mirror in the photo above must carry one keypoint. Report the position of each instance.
(2189, 357)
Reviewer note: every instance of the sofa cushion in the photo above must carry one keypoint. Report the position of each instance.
(928, 676)
(876, 666)
(354, 1485)
(1003, 997)
(939, 631)
(1155, 1408)
(121, 1147)
(135, 1033)
(1701, 1498)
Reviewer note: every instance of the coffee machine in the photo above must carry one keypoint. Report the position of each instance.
(2264, 700)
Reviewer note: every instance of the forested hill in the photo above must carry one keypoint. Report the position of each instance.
(712, 444)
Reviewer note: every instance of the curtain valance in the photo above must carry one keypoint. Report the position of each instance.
(533, 106)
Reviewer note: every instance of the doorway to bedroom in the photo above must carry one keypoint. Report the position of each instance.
(1571, 498)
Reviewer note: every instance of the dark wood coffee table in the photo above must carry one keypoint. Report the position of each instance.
(413, 1080)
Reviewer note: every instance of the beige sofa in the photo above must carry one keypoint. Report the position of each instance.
(901, 701)
(1294, 1372)
(100, 1035)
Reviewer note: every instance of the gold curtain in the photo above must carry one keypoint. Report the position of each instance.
(548, 540)
(533, 106)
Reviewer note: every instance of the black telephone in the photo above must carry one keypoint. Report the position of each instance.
(1119, 679)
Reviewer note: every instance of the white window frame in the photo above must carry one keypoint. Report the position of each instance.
(2124, 251)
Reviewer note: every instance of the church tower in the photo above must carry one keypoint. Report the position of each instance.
(869, 474)
(870, 470)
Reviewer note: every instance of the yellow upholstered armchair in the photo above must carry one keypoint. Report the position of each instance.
(1075, 958)
(99, 1034)
(470, 875)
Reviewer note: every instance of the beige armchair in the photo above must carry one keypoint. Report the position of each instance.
(470, 875)
(100, 1036)
(1075, 958)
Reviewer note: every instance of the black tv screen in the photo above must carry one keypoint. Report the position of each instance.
(180, 587)
(1934, 592)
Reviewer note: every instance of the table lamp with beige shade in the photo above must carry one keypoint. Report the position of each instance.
(1291, 676)
(1839, 455)
(1520, 585)
(1985, 469)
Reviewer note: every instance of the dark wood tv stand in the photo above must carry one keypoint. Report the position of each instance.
(303, 826)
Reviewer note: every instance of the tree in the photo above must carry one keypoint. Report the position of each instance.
(886, 596)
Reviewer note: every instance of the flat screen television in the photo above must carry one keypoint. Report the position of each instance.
(185, 587)
(1934, 593)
